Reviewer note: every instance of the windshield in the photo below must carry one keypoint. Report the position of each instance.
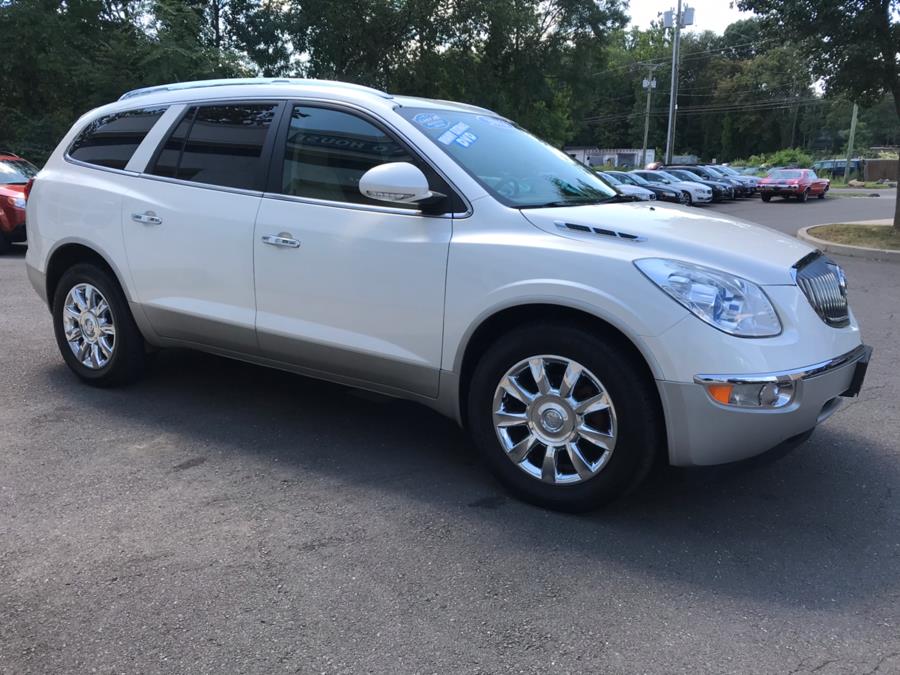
(512, 165)
(669, 176)
(728, 171)
(681, 174)
(785, 174)
(635, 179)
(715, 173)
(609, 178)
(16, 171)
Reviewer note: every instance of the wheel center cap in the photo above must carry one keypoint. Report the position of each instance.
(552, 420)
(89, 326)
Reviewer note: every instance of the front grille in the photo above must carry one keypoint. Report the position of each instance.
(824, 285)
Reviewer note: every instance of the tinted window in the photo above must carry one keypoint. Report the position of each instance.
(111, 140)
(219, 145)
(327, 151)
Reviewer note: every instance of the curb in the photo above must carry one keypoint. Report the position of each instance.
(846, 249)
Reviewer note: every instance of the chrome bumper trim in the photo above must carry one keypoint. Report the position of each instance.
(861, 352)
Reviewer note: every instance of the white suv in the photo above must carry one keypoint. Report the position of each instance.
(436, 251)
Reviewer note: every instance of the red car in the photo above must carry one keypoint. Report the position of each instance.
(15, 173)
(799, 183)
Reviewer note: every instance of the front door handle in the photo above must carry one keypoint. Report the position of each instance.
(146, 218)
(283, 239)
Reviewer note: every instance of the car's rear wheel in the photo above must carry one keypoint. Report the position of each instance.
(565, 419)
(766, 198)
(94, 328)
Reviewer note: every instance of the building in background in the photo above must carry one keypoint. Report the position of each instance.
(625, 158)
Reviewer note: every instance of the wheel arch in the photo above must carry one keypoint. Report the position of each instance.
(506, 319)
(67, 254)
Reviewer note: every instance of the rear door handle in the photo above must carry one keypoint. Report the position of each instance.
(146, 218)
(280, 240)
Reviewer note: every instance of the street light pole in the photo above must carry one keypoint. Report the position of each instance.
(649, 84)
(673, 90)
(850, 142)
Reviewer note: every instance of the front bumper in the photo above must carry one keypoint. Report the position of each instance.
(703, 432)
(780, 190)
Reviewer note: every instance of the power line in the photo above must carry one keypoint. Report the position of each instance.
(704, 110)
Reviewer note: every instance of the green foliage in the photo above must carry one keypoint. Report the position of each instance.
(568, 70)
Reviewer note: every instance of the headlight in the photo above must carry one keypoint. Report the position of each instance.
(729, 303)
(17, 202)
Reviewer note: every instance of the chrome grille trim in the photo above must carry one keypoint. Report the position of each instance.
(822, 282)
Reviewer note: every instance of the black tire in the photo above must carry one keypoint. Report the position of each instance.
(687, 199)
(803, 196)
(128, 359)
(5, 243)
(640, 429)
(821, 195)
(766, 198)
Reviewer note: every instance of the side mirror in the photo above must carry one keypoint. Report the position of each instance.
(396, 182)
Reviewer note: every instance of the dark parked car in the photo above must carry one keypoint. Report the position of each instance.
(720, 190)
(666, 194)
(733, 187)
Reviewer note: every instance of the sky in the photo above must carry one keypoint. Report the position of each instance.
(712, 15)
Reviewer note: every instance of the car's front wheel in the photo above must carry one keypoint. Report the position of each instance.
(766, 198)
(803, 196)
(5, 243)
(95, 332)
(564, 418)
(685, 198)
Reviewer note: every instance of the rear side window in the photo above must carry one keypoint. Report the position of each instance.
(327, 152)
(111, 140)
(219, 145)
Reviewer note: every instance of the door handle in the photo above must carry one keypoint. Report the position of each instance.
(280, 240)
(146, 218)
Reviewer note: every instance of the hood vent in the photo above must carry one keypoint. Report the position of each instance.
(598, 230)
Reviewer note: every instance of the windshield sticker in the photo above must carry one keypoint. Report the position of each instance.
(495, 122)
(430, 121)
(458, 128)
(450, 135)
(466, 139)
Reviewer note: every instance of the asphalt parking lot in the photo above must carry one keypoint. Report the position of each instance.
(219, 517)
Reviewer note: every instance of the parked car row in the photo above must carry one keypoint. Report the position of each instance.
(702, 184)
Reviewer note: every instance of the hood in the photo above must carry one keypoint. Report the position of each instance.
(757, 253)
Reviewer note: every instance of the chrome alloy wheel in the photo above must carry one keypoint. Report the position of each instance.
(89, 326)
(554, 419)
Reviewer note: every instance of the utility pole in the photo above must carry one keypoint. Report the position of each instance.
(678, 21)
(850, 142)
(649, 84)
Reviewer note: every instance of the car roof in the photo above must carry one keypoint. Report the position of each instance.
(280, 87)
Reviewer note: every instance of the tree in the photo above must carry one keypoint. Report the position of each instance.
(853, 45)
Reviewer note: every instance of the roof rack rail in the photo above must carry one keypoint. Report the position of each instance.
(199, 84)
